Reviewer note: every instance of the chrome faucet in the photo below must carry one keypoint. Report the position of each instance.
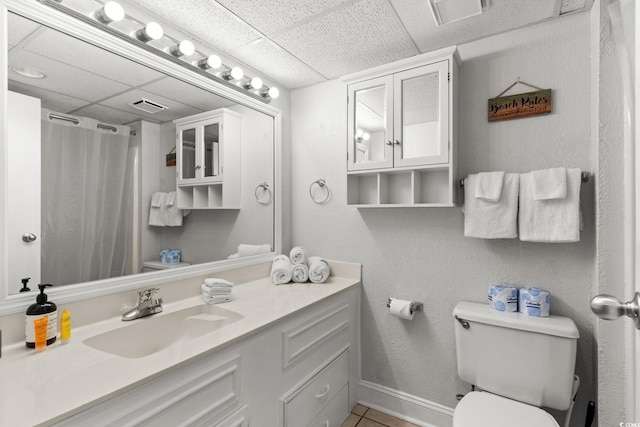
(148, 304)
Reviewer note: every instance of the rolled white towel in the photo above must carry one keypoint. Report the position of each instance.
(281, 270)
(300, 273)
(299, 255)
(319, 270)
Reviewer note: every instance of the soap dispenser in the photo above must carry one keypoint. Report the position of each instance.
(41, 308)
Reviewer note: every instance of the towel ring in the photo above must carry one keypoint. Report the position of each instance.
(265, 188)
(323, 185)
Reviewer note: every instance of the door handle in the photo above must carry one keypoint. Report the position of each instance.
(28, 237)
(608, 307)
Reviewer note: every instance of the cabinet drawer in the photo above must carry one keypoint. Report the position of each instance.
(307, 402)
(334, 414)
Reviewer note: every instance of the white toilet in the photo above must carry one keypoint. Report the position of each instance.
(519, 362)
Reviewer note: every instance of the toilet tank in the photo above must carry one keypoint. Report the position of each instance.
(525, 358)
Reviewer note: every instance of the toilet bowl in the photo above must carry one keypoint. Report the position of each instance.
(521, 363)
(480, 409)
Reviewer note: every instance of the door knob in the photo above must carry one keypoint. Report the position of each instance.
(28, 237)
(610, 308)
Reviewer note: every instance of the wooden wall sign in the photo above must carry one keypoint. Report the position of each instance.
(521, 105)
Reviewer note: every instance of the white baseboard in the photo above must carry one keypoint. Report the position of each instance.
(404, 406)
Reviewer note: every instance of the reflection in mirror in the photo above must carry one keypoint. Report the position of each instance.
(88, 145)
(370, 132)
(420, 121)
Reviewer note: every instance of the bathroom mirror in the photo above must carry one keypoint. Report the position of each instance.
(370, 120)
(88, 83)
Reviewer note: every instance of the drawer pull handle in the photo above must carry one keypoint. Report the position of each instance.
(326, 423)
(324, 393)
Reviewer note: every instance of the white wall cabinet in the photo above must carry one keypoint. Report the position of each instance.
(208, 160)
(302, 370)
(402, 132)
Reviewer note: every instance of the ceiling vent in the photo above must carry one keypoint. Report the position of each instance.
(148, 106)
(447, 11)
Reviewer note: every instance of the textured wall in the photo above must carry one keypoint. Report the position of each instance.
(421, 253)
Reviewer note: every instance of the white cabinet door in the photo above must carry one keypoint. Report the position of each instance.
(370, 119)
(421, 116)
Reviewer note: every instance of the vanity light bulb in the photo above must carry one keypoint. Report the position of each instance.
(256, 83)
(153, 31)
(359, 133)
(110, 12)
(273, 92)
(213, 61)
(236, 73)
(185, 48)
(366, 136)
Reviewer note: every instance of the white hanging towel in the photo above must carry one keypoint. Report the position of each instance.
(489, 186)
(549, 184)
(551, 220)
(491, 220)
(156, 214)
(172, 215)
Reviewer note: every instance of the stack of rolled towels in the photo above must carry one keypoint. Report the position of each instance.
(299, 267)
(529, 300)
(216, 291)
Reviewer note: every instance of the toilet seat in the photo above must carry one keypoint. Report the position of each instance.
(483, 409)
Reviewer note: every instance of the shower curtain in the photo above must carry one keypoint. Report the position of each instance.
(86, 201)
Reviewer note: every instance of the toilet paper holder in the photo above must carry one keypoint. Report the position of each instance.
(415, 306)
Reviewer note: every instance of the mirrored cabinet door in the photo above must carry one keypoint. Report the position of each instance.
(187, 147)
(211, 147)
(370, 124)
(421, 135)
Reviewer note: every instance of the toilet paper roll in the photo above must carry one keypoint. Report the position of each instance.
(401, 308)
(503, 297)
(534, 302)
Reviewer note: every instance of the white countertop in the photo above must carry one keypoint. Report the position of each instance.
(38, 387)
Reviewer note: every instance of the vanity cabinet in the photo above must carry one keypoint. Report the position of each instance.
(208, 160)
(303, 370)
(402, 132)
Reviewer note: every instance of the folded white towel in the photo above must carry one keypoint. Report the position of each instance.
(553, 220)
(319, 270)
(156, 210)
(298, 255)
(214, 281)
(281, 270)
(491, 220)
(249, 250)
(549, 184)
(300, 273)
(489, 186)
(215, 299)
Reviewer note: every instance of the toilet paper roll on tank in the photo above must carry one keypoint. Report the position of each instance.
(532, 301)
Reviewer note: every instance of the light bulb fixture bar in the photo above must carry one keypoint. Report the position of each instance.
(179, 53)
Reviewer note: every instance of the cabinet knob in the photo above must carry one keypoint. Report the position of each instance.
(198, 167)
(389, 142)
(396, 142)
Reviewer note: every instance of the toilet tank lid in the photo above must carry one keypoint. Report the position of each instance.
(553, 325)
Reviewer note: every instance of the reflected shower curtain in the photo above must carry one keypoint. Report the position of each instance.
(86, 201)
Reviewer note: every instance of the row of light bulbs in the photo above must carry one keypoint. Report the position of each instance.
(113, 12)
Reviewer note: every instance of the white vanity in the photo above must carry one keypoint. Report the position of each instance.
(283, 355)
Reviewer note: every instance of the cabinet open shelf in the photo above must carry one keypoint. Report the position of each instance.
(401, 188)
(202, 197)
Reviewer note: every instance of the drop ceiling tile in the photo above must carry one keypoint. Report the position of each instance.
(19, 28)
(288, 70)
(175, 109)
(204, 19)
(288, 12)
(186, 94)
(64, 79)
(107, 115)
(356, 37)
(63, 48)
(51, 100)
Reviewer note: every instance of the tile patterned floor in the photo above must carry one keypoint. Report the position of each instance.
(361, 416)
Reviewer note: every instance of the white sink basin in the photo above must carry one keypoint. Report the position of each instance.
(156, 332)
